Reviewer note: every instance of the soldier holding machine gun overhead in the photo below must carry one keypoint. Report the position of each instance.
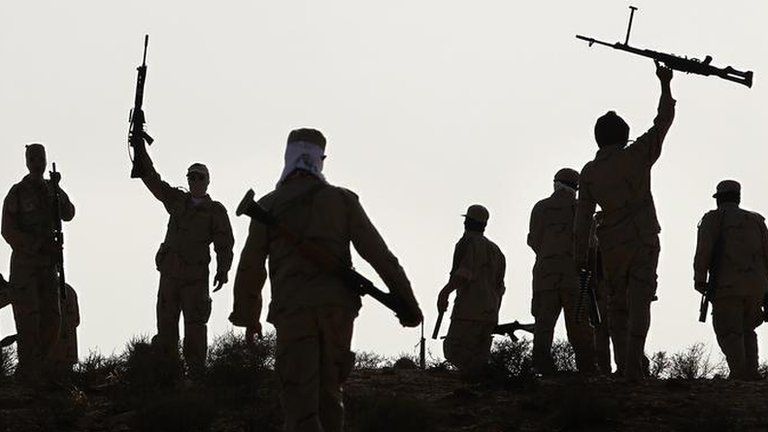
(732, 249)
(305, 227)
(477, 276)
(28, 226)
(619, 180)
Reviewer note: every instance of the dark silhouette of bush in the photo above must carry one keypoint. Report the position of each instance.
(7, 361)
(232, 361)
(695, 363)
(147, 370)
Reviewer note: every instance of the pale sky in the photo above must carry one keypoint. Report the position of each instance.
(428, 106)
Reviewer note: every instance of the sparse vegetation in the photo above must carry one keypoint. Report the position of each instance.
(7, 361)
(695, 363)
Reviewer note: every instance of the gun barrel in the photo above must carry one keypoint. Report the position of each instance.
(144, 58)
(436, 331)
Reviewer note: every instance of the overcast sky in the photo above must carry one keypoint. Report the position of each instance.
(428, 106)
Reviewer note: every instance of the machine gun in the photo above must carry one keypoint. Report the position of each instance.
(509, 329)
(683, 64)
(58, 236)
(321, 257)
(137, 137)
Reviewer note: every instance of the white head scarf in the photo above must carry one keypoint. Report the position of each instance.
(303, 155)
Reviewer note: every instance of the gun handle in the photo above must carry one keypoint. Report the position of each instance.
(436, 331)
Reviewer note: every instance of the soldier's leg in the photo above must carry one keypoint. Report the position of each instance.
(196, 307)
(752, 319)
(601, 333)
(468, 346)
(728, 323)
(640, 291)
(547, 310)
(26, 314)
(579, 331)
(297, 363)
(168, 311)
(50, 319)
(336, 362)
(615, 264)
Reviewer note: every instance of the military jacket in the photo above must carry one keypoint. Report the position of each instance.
(481, 264)
(28, 222)
(619, 180)
(740, 262)
(185, 252)
(330, 217)
(551, 236)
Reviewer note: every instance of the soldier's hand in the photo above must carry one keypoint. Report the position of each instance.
(664, 73)
(55, 177)
(219, 280)
(251, 333)
(700, 287)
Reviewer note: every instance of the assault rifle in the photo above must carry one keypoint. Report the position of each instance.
(439, 322)
(136, 134)
(683, 64)
(321, 257)
(58, 236)
(509, 329)
(714, 268)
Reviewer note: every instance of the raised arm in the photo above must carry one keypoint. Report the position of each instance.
(650, 143)
(161, 190)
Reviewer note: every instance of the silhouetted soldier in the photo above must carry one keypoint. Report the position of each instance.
(732, 248)
(619, 180)
(312, 310)
(28, 223)
(555, 280)
(195, 222)
(477, 276)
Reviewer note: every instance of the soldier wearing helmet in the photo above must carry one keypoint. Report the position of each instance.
(619, 181)
(477, 276)
(555, 280)
(731, 266)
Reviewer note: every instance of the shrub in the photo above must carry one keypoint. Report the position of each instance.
(563, 356)
(660, 365)
(97, 369)
(513, 358)
(7, 361)
(147, 369)
(369, 360)
(232, 361)
(694, 363)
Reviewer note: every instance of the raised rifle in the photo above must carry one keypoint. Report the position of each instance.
(509, 329)
(683, 64)
(320, 256)
(58, 237)
(137, 136)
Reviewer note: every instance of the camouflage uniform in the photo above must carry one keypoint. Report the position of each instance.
(28, 226)
(183, 260)
(741, 280)
(555, 282)
(480, 265)
(619, 180)
(312, 310)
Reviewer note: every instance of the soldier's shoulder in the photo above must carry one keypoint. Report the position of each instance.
(755, 215)
(345, 192)
(218, 207)
(709, 218)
